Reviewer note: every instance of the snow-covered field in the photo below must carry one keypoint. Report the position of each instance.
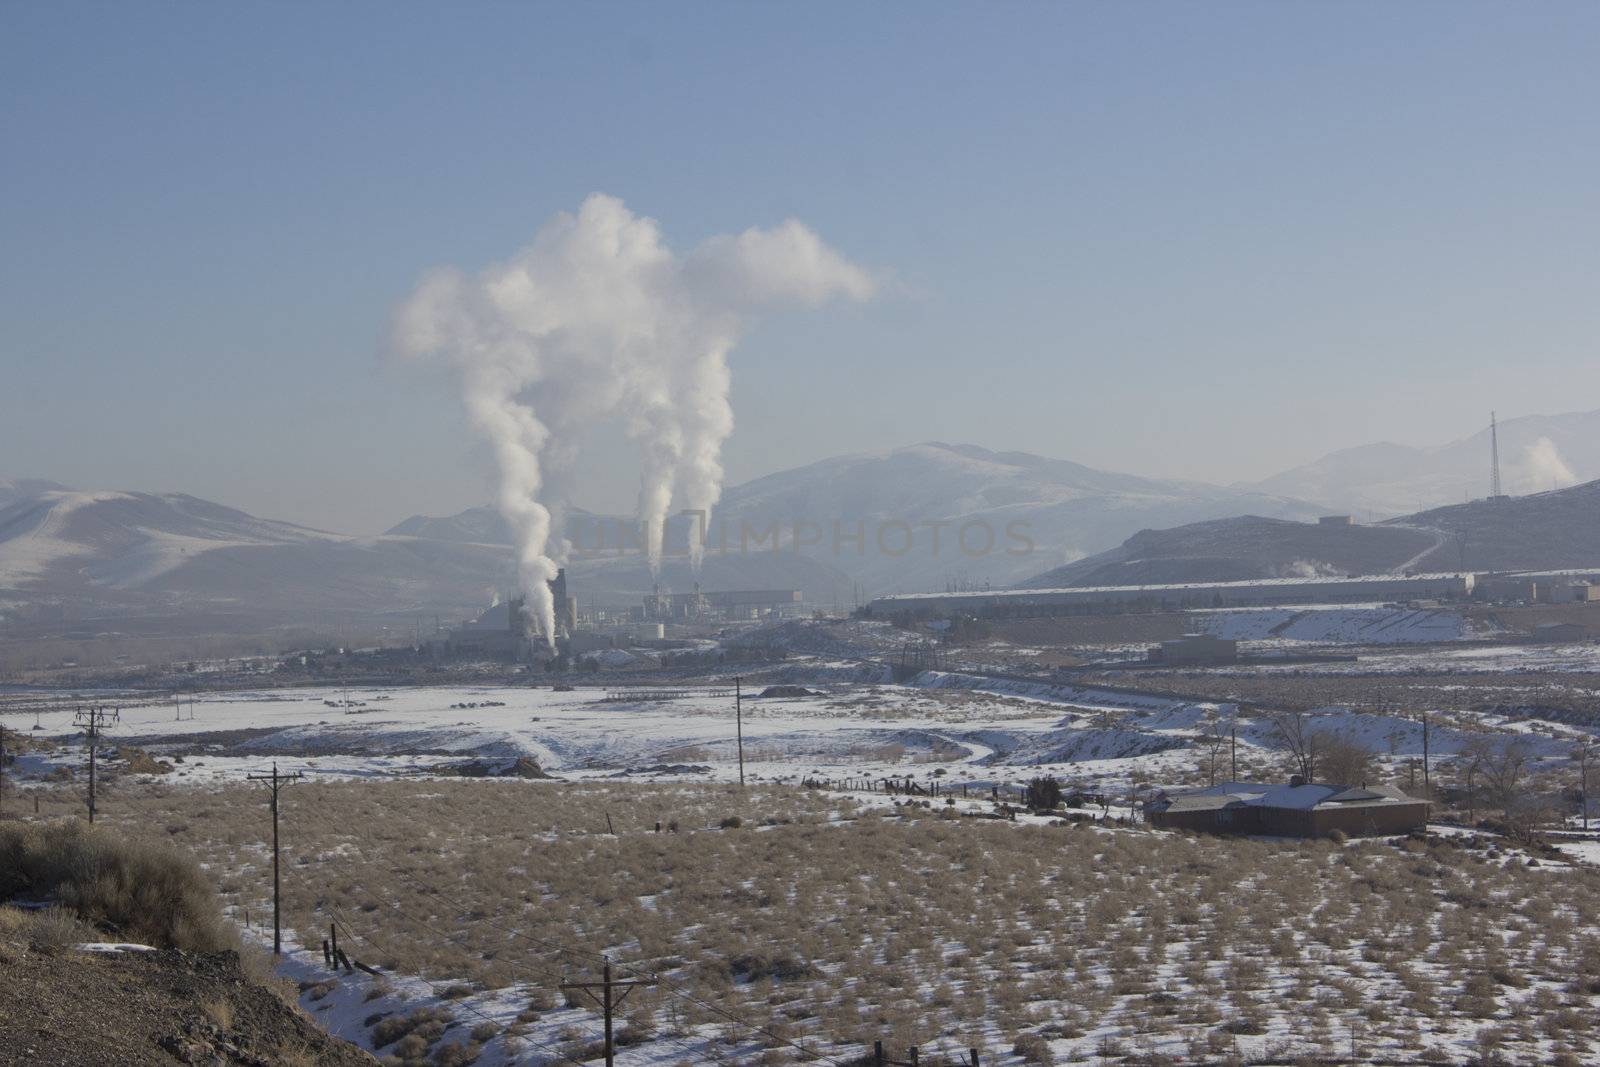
(1353, 624)
(960, 728)
(470, 896)
(975, 730)
(1508, 659)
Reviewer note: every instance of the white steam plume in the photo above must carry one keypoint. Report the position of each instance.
(597, 317)
(1543, 468)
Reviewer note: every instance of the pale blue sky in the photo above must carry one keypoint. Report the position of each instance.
(1195, 240)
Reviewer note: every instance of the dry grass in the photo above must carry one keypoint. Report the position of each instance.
(137, 889)
(826, 923)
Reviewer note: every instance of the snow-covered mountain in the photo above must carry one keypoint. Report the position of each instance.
(17, 488)
(119, 551)
(918, 517)
(482, 525)
(1537, 453)
(1000, 516)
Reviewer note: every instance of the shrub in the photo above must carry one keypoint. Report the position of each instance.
(141, 889)
(1044, 794)
(56, 930)
(1033, 1048)
(732, 822)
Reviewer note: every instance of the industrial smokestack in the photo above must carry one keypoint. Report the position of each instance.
(597, 317)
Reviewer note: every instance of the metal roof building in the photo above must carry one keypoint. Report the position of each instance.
(1254, 593)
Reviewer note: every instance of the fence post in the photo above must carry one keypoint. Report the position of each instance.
(877, 1054)
(974, 1057)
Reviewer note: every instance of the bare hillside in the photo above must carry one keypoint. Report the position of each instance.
(1543, 531)
(70, 1008)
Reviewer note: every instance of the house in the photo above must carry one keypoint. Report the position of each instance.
(1298, 809)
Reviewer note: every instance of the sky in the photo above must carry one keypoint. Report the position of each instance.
(1180, 240)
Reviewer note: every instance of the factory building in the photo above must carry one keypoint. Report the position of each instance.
(1109, 599)
(500, 633)
(1195, 650)
(1573, 586)
(725, 604)
(506, 631)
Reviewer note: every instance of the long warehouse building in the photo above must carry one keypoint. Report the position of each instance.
(1119, 598)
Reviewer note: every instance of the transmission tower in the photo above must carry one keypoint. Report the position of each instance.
(1494, 460)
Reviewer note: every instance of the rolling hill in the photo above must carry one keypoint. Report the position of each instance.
(1541, 531)
(118, 552)
(1021, 513)
(1537, 453)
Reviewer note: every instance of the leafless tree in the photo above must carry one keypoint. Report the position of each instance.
(1343, 759)
(1504, 773)
(1294, 733)
(1476, 751)
(1214, 734)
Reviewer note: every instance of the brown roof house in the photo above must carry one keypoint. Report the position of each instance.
(1297, 809)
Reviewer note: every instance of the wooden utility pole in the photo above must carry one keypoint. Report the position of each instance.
(2, 768)
(93, 720)
(606, 1000)
(276, 781)
(1233, 746)
(1427, 787)
(738, 724)
(1583, 780)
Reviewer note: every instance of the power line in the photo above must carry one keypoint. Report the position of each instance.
(434, 989)
(94, 720)
(276, 781)
(670, 985)
(676, 1043)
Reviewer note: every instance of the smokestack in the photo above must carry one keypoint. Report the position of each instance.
(598, 317)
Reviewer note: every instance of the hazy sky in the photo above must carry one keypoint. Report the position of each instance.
(1197, 240)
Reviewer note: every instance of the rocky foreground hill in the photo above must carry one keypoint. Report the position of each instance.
(72, 1008)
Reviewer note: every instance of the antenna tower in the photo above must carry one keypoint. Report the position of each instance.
(1494, 460)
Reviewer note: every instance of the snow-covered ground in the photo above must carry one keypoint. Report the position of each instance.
(962, 728)
(1509, 659)
(979, 730)
(1351, 624)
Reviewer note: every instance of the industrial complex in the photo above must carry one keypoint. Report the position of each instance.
(1263, 592)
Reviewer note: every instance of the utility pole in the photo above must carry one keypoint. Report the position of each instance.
(607, 1002)
(1427, 787)
(276, 781)
(1583, 780)
(2, 768)
(738, 720)
(93, 720)
(1233, 746)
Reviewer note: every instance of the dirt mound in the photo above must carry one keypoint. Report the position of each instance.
(138, 1008)
(787, 691)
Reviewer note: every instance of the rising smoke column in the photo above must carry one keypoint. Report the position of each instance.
(1543, 468)
(597, 318)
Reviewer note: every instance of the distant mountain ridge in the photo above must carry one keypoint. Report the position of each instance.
(1537, 453)
(876, 516)
(849, 526)
(1542, 531)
